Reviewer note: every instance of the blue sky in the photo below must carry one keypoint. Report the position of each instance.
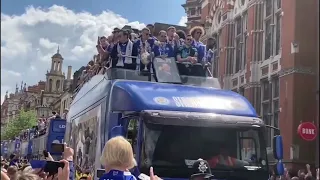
(145, 11)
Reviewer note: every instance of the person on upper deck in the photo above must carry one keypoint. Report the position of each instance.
(173, 38)
(144, 44)
(210, 49)
(113, 39)
(123, 51)
(196, 33)
(162, 48)
(187, 53)
(182, 35)
(151, 28)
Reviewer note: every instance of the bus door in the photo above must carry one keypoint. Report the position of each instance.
(56, 129)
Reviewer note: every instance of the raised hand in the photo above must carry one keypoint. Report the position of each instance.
(152, 176)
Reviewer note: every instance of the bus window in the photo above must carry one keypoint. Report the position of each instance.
(132, 133)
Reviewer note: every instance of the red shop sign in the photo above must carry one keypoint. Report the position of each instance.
(307, 131)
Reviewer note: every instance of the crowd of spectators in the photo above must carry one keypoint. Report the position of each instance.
(302, 174)
(40, 129)
(18, 168)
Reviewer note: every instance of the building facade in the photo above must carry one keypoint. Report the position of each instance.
(267, 50)
(40, 97)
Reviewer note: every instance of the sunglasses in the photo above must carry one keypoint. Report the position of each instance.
(199, 32)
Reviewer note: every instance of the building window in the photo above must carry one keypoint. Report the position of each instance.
(267, 39)
(278, 4)
(270, 106)
(219, 18)
(244, 45)
(268, 7)
(272, 28)
(199, 11)
(265, 107)
(275, 104)
(50, 85)
(192, 12)
(266, 119)
(265, 91)
(241, 91)
(238, 48)
(276, 87)
(215, 63)
(278, 33)
(238, 55)
(276, 113)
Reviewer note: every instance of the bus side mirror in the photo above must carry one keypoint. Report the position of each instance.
(278, 147)
(116, 131)
(279, 168)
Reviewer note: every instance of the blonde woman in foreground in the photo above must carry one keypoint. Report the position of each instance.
(117, 158)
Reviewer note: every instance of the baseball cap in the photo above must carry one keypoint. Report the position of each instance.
(201, 170)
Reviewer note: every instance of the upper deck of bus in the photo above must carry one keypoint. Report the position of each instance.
(127, 90)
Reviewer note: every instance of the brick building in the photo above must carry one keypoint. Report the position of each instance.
(267, 50)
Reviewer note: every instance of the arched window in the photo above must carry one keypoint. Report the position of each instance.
(54, 65)
(58, 67)
(50, 85)
(58, 85)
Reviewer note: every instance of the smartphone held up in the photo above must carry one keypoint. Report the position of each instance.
(57, 148)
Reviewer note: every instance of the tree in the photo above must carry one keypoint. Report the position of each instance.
(25, 120)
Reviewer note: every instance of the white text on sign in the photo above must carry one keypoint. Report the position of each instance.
(308, 131)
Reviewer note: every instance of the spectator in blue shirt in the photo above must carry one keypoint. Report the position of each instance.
(117, 158)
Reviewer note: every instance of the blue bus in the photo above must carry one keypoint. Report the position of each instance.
(54, 134)
(170, 123)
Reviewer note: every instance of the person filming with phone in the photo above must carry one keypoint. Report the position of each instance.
(50, 169)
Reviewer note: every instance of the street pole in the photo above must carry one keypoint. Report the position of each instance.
(317, 95)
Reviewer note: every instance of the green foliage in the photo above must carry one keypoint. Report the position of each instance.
(133, 123)
(25, 120)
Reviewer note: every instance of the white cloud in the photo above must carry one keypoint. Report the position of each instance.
(29, 40)
(46, 43)
(183, 21)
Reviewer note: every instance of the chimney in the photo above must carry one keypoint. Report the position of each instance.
(69, 72)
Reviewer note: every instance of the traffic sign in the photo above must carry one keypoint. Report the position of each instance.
(307, 131)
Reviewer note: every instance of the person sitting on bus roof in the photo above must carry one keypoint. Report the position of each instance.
(123, 52)
(162, 48)
(196, 33)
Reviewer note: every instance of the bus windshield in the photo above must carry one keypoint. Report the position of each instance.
(177, 147)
